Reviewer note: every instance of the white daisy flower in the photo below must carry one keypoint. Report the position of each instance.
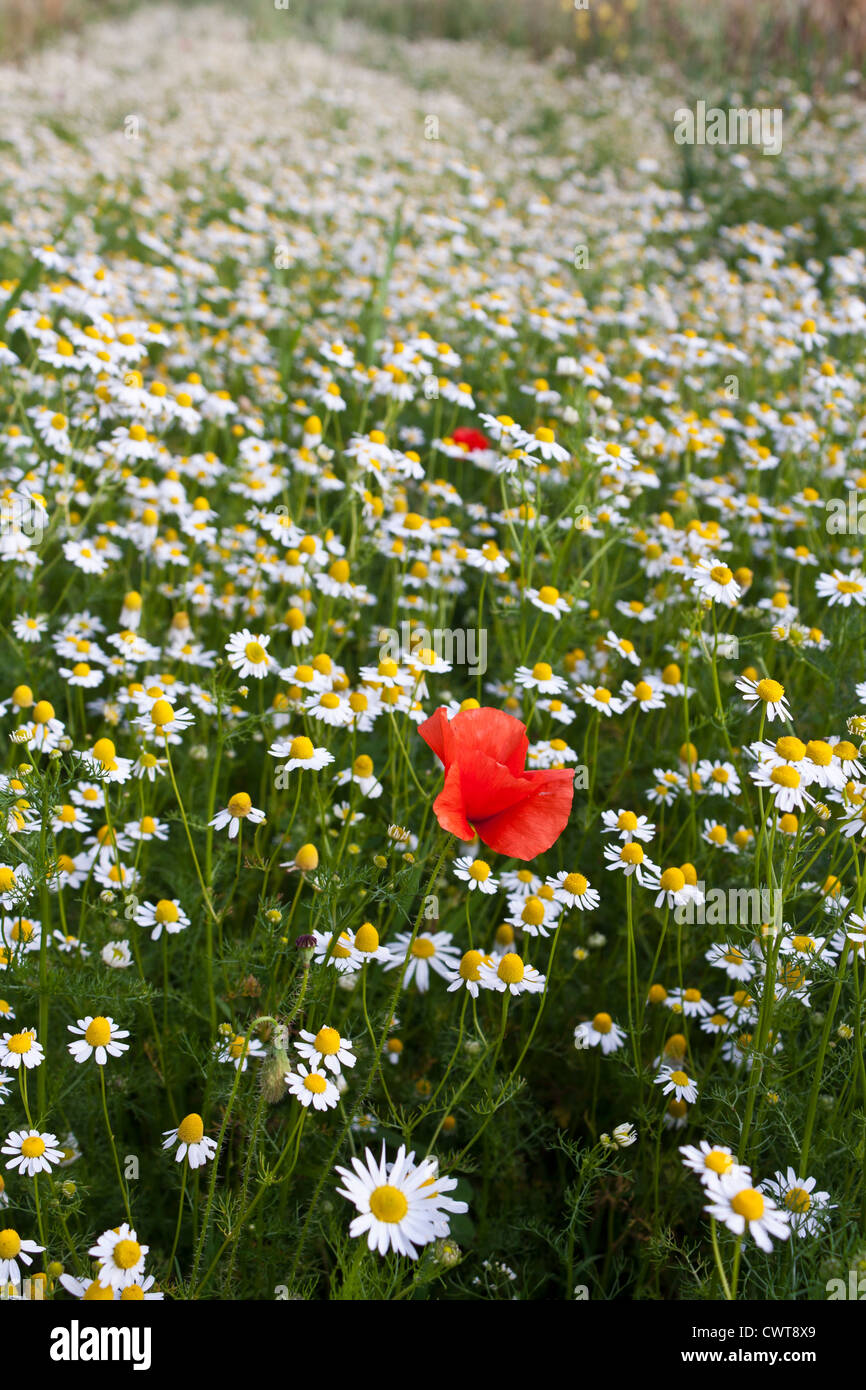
(326, 1048)
(312, 1088)
(121, 1257)
(247, 654)
(193, 1144)
(31, 1152)
(100, 1039)
(600, 1031)
(745, 1210)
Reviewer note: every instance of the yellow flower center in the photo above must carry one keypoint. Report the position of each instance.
(718, 1162)
(315, 1083)
(479, 870)
(511, 969)
(33, 1147)
(819, 752)
(190, 1129)
(240, 805)
(423, 948)
(367, 938)
(469, 965)
(388, 1204)
(98, 1032)
(575, 884)
(10, 1244)
(785, 776)
(533, 912)
(327, 1042)
(301, 748)
(166, 911)
(749, 1203)
(127, 1253)
(798, 1199)
(98, 1293)
(770, 691)
(162, 713)
(255, 652)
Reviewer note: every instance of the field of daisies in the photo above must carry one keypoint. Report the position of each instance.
(432, 691)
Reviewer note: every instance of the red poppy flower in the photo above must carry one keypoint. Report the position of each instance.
(487, 789)
(473, 439)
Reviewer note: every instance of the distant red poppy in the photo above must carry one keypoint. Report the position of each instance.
(473, 439)
(487, 789)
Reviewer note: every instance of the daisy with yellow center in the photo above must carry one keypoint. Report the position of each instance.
(192, 1143)
(99, 1038)
(467, 975)
(430, 951)
(710, 1161)
(240, 1050)
(31, 1152)
(715, 583)
(510, 973)
(327, 1048)
(769, 694)
(248, 655)
(401, 1205)
(630, 859)
(623, 646)
(808, 1210)
(675, 1079)
(476, 874)
(21, 1050)
(166, 914)
(160, 719)
(599, 1031)
(121, 1258)
(745, 1210)
(574, 890)
(628, 826)
(239, 809)
(549, 600)
(301, 754)
(540, 677)
(312, 1087)
(13, 1249)
(842, 589)
(716, 835)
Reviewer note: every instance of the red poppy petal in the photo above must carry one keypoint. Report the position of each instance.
(488, 788)
(530, 827)
(448, 807)
(492, 732)
(436, 732)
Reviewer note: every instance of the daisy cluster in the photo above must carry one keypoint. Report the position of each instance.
(402, 611)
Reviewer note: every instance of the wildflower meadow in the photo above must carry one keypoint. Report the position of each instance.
(432, 677)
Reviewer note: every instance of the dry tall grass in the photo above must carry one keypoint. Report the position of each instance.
(744, 39)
